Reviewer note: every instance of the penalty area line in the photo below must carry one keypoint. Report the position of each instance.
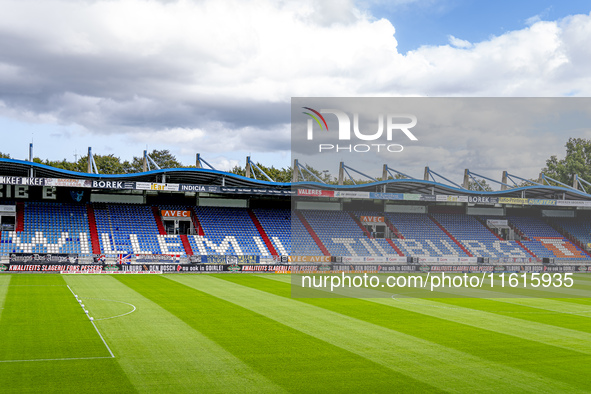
(96, 328)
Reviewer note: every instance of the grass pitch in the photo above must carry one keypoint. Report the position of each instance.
(243, 333)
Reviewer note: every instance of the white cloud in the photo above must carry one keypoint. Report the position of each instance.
(533, 19)
(459, 43)
(219, 75)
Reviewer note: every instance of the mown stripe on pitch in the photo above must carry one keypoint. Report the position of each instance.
(515, 307)
(441, 366)
(508, 307)
(466, 330)
(4, 282)
(158, 351)
(294, 360)
(42, 320)
(505, 324)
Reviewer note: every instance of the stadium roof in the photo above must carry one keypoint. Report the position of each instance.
(201, 176)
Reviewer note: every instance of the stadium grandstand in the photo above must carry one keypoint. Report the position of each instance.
(182, 213)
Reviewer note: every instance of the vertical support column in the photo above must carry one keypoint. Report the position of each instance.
(248, 169)
(89, 168)
(504, 180)
(341, 173)
(466, 179)
(295, 173)
(576, 182)
(31, 172)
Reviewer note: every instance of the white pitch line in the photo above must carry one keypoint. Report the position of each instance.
(95, 327)
(112, 317)
(103, 339)
(53, 359)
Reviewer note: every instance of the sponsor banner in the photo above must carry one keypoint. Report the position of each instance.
(17, 180)
(386, 196)
(411, 197)
(343, 194)
(143, 185)
(168, 213)
(309, 259)
(378, 259)
(40, 267)
(41, 258)
(424, 197)
(230, 260)
(445, 198)
(280, 259)
(199, 188)
(8, 208)
(573, 203)
(450, 259)
(519, 260)
(59, 182)
(372, 219)
(315, 193)
(462, 268)
(260, 191)
(169, 187)
(540, 201)
(117, 185)
(194, 259)
(483, 200)
(325, 268)
(156, 258)
(513, 200)
(497, 222)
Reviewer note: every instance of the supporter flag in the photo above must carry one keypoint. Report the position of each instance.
(124, 258)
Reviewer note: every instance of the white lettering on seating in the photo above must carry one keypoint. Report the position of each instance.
(477, 248)
(347, 243)
(229, 241)
(107, 246)
(164, 245)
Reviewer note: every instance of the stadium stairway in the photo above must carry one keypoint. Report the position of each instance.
(396, 248)
(361, 226)
(158, 220)
(94, 239)
(393, 229)
(312, 233)
(197, 223)
(450, 236)
(186, 244)
(20, 217)
(519, 232)
(262, 232)
(569, 236)
(532, 254)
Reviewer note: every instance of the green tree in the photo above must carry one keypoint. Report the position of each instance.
(324, 175)
(163, 158)
(472, 185)
(577, 161)
(63, 164)
(277, 174)
(4, 155)
(106, 164)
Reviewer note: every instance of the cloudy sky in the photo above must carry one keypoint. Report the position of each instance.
(217, 77)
